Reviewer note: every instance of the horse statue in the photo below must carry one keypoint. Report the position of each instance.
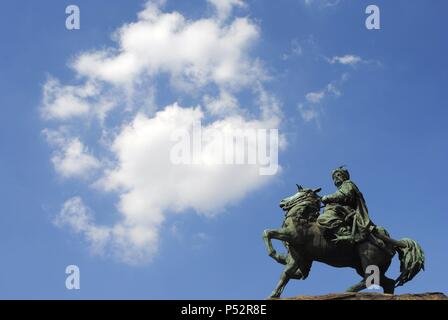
(306, 242)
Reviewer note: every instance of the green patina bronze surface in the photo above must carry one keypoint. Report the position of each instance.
(342, 236)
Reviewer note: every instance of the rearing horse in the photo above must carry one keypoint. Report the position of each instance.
(305, 242)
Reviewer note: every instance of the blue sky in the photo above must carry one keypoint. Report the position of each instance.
(372, 100)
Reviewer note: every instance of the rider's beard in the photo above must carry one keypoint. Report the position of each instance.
(338, 183)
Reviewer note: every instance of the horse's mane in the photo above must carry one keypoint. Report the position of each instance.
(304, 206)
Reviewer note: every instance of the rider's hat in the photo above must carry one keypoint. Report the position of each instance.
(342, 170)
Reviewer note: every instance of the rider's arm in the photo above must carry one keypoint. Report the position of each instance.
(343, 196)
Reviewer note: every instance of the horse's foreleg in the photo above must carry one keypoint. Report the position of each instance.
(287, 274)
(267, 241)
(279, 234)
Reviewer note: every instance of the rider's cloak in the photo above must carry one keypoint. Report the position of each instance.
(347, 207)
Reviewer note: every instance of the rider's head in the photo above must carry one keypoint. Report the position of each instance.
(340, 175)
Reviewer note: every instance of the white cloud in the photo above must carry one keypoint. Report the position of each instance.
(315, 97)
(130, 244)
(67, 102)
(225, 7)
(347, 59)
(62, 102)
(74, 160)
(191, 52)
(201, 57)
(225, 104)
(150, 180)
(79, 218)
(149, 185)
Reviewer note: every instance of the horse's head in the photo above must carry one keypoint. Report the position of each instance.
(308, 198)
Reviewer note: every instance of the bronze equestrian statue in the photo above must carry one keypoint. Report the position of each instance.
(343, 236)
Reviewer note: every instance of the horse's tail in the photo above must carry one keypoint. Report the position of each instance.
(412, 260)
(411, 255)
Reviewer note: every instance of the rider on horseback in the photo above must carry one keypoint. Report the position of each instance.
(345, 215)
(345, 218)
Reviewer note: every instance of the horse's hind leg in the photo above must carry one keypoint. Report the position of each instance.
(361, 285)
(387, 284)
(371, 255)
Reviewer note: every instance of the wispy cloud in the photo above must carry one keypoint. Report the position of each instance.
(322, 3)
(348, 59)
(224, 7)
(298, 47)
(80, 220)
(315, 97)
(351, 60)
(308, 113)
(330, 89)
(295, 50)
(310, 109)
